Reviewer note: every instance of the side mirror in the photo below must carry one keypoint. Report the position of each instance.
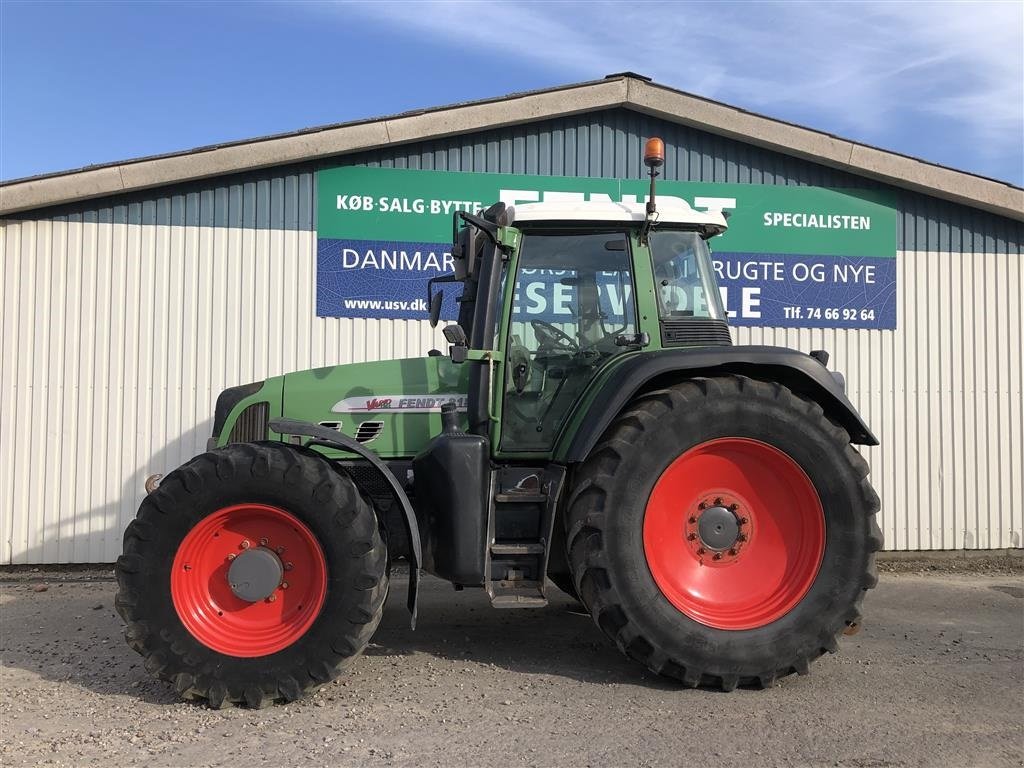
(435, 308)
(459, 344)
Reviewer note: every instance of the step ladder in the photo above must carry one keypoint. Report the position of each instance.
(519, 531)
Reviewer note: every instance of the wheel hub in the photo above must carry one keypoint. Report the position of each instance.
(718, 528)
(734, 533)
(255, 574)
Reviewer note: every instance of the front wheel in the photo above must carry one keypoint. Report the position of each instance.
(723, 532)
(254, 573)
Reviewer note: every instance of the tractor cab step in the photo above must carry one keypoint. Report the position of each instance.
(521, 498)
(519, 530)
(518, 548)
(517, 574)
(517, 594)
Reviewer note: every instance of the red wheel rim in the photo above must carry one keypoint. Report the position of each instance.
(203, 596)
(779, 543)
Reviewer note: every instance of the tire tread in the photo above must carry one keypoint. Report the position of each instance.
(595, 480)
(194, 679)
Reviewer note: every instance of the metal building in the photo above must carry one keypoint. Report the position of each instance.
(134, 292)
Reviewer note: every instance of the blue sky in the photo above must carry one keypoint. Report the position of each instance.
(85, 83)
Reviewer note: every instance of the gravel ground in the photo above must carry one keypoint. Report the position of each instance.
(992, 564)
(935, 678)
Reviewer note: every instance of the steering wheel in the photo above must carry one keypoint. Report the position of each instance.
(550, 336)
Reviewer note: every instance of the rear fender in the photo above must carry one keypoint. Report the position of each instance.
(647, 371)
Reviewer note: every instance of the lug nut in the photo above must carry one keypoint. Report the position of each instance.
(732, 551)
(272, 598)
(691, 537)
(263, 541)
(693, 519)
(288, 566)
(245, 544)
(232, 555)
(742, 521)
(702, 505)
(718, 556)
(284, 585)
(280, 550)
(700, 551)
(733, 507)
(718, 501)
(741, 537)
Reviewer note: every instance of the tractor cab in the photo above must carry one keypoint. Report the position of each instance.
(555, 293)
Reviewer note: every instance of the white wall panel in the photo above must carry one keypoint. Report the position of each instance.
(115, 343)
(943, 394)
(116, 339)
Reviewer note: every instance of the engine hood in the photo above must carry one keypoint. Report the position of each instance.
(393, 406)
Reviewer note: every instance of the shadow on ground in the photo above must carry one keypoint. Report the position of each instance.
(560, 639)
(75, 636)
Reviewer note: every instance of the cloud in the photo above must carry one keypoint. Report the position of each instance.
(871, 69)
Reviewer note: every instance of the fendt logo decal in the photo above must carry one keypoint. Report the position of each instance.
(399, 403)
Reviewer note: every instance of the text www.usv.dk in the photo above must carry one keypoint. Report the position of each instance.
(415, 305)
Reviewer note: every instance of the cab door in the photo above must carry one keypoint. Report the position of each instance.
(572, 311)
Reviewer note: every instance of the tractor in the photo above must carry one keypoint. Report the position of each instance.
(703, 501)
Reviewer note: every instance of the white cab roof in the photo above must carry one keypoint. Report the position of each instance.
(671, 210)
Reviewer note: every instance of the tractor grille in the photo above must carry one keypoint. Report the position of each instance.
(695, 332)
(369, 431)
(251, 425)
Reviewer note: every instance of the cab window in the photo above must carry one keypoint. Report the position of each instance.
(683, 275)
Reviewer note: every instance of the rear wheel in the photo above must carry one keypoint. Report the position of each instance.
(743, 542)
(254, 573)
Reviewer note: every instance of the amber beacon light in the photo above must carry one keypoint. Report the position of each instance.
(654, 153)
(654, 158)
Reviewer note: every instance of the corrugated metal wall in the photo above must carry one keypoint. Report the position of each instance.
(117, 339)
(122, 319)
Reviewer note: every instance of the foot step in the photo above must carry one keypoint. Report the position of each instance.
(518, 596)
(532, 548)
(522, 498)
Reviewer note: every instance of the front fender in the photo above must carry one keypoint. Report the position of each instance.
(331, 438)
(645, 371)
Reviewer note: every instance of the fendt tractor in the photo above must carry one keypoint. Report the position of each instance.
(703, 501)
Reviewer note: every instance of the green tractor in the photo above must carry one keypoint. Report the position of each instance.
(703, 501)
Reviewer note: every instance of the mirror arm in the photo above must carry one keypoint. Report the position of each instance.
(487, 227)
(449, 278)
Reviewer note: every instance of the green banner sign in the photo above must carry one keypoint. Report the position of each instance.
(793, 256)
(417, 206)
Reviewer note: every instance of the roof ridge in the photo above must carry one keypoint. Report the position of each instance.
(624, 89)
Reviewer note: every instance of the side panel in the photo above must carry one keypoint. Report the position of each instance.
(392, 406)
